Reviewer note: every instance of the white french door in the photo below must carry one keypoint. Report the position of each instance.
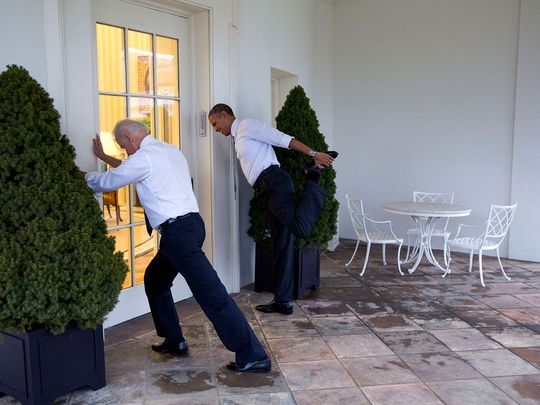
(143, 71)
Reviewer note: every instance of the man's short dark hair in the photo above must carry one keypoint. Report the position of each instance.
(218, 108)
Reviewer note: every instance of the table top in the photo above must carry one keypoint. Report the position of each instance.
(426, 209)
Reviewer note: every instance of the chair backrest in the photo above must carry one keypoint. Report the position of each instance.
(441, 198)
(356, 209)
(500, 218)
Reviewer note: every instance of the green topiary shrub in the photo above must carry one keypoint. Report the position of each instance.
(298, 119)
(57, 264)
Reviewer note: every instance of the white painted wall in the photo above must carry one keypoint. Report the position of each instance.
(293, 36)
(323, 92)
(524, 242)
(30, 35)
(21, 37)
(424, 100)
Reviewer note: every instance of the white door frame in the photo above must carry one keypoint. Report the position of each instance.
(126, 14)
(71, 27)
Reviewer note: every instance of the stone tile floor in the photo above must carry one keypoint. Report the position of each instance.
(379, 339)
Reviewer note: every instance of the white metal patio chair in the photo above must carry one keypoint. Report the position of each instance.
(370, 231)
(440, 231)
(495, 229)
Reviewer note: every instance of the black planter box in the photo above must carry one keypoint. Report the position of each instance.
(307, 269)
(38, 367)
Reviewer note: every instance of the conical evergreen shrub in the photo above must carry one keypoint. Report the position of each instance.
(298, 119)
(57, 264)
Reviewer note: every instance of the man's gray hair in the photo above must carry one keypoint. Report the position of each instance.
(135, 128)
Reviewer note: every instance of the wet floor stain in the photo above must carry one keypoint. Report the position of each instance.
(389, 321)
(398, 364)
(328, 310)
(426, 355)
(241, 380)
(383, 368)
(481, 290)
(371, 307)
(407, 342)
(527, 389)
(302, 325)
(354, 293)
(531, 354)
(184, 382)
(195, 333)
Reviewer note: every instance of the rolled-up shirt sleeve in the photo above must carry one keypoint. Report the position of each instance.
(136, 168)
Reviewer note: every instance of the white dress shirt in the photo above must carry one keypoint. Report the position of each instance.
(161, 176)
(253, 143)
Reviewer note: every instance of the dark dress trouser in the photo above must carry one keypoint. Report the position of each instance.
(180, 252)
(286, 219)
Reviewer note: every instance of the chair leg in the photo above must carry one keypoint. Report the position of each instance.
(447, 262)
(446, 272)
(367, 257)
(109, 210)
(384, 253)
(118, 219)
(480, 267)
(415, 249)
(471, 260)
(408, 247)
(500, 264)
(445, 251)
(354, 253)
(398, 258)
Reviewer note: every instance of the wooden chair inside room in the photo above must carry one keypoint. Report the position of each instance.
(111, 198)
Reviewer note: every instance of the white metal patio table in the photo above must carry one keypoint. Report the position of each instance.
(425, 215)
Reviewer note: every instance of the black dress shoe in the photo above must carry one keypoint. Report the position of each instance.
(332, 153)
(172, 346)
(259, 366)
(313, 172)
(284, 307)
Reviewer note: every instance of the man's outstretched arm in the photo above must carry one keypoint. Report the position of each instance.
(100, 153)
(320, 158)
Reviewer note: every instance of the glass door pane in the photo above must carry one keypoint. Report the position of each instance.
(115, 203)
(111, 109)
(144, 87)
(110, 58)
(169, 121)
(141, 60)
(142, 109)
(167, 66)
(145, 248)
(123, 240)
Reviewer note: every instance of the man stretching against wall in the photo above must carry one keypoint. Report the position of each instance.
(161, 176)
